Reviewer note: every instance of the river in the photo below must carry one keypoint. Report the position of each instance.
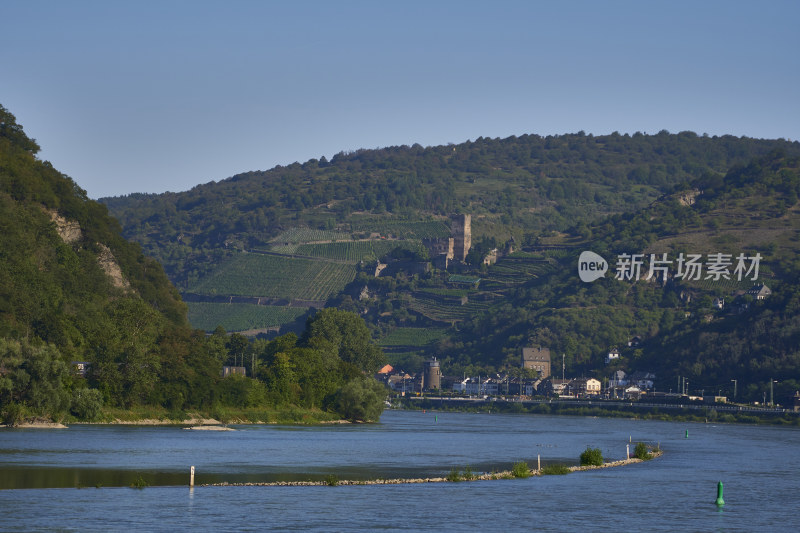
(77, 479)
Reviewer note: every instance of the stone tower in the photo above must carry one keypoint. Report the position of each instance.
(462, 236)
(432, 377)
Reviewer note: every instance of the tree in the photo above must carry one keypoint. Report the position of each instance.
(361, 400)
(349, 334)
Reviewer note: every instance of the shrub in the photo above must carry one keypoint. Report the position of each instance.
(520, 470)
(454, 476)
(468, 474)
(13, 414)
(641, 452)
(555, 470)
(331, 480)
(592, 457)
(139, 483)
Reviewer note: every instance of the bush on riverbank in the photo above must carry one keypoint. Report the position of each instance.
(592, 457)
(641, 452)
(520, 470)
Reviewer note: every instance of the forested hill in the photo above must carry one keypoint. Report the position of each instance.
(67, 272)
(88, 322)
(519, 186)
(752, 210)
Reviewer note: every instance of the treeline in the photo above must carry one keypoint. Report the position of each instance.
(523, 185)
(326, 369)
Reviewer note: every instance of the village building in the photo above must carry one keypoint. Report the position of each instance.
(537, 358)
(584, 387)
(760, 292)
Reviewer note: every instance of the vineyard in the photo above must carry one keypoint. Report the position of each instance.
(515, 270)
(403, 229)
(300, 235)
(274, 276)
(241, 317)
(438, 309)
(346, 251)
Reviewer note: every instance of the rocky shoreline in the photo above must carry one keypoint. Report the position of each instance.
(401, 481)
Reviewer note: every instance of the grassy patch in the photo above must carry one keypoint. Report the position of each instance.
(555, 470)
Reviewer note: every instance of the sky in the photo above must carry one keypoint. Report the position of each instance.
(153, 96)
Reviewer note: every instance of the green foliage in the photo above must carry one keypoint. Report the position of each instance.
(453, 476)
(139, 483)
(467, 475)
(641, 452)
(131, 333)
(361, 400)
(555, 470)
(349, 335)
(87, 404)
(520, 470)
(412, 336)
(233, 317)
(592, 457)
(12, 413)
(331, 480)
(34, 376)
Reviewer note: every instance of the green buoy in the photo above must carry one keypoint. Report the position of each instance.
(687, 433)
(719, 501)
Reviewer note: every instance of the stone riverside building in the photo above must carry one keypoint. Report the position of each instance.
(537, 359)
(432, 377)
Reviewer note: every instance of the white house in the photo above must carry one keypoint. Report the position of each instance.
(613, 355)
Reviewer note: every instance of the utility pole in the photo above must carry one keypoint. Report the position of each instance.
(734, 389)
(563, 366)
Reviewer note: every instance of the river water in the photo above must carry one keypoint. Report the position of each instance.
(78, 479)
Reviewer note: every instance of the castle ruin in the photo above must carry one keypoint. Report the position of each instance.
(462, 236)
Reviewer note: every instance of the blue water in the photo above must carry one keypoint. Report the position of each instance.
(758, 465)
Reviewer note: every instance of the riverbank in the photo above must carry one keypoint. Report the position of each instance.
(219, 417)
(507, 474)
(636, 410)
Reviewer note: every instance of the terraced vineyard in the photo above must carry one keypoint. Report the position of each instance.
(274, 276)
(241, 317)
(301, 235)
(402, 229)
(434, 308)
(515, 270)
(347, 251)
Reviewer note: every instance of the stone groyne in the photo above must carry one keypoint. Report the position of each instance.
(402, 481)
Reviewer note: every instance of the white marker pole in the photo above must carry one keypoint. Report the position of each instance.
(628, 451)
(191, 477)
(539, 462)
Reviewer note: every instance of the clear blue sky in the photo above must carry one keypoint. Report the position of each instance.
(149, 96)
